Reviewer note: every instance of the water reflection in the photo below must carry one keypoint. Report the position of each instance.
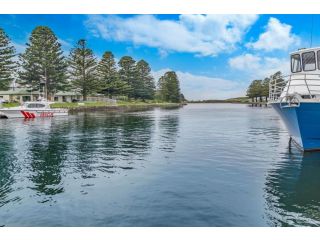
(292, 190)
(169, 130)
(78, 147)
(6, 166)
(47, 150)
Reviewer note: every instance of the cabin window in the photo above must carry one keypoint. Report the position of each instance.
(36, 105)
(318, 59)
(309, 61)
(295, 63)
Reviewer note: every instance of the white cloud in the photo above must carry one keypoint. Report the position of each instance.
(277, 36)
(205, 35)
(197, 87)
(259, 67)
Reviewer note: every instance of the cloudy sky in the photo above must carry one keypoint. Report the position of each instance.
(215, 56)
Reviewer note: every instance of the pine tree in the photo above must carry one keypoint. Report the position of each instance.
(169, 87)
(109, 80)
(43, 64)
(83, 69)
(7, 64)
(145, 87)
(128, 74)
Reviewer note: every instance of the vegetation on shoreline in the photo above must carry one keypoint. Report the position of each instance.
(229, 100)
(88, 105)
(259, 89)
(44, 67)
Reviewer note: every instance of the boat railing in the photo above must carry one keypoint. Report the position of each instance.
(309, 82)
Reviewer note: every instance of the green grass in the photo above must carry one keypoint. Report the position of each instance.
(119, 103)
(77, 105)
(101, 104)
(9, 105)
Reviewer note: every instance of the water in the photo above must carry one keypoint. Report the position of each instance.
(200, 165)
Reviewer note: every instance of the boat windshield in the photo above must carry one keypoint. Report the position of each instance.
(35, 105)
(295, 63)
(309, 61)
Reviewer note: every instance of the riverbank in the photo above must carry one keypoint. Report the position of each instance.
(244, 100)
(122, 106)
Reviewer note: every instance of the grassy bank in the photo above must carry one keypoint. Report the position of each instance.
(9, 105)
(122, 106)
(230, 100)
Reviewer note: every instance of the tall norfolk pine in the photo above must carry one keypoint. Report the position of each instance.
(169, 87)
(7, 64)
(145, 88)
(83, 69)
(110, 82)
(43, 65)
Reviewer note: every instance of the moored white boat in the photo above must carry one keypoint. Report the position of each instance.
(31, 110)
(296, 98)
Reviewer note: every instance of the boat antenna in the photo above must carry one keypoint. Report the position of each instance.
(311, 33)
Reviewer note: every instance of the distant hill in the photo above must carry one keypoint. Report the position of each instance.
(229, 100)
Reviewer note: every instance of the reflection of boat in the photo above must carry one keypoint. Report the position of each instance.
(292, 190)
(33, 110)
(296, 98)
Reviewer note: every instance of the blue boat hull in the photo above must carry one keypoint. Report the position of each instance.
(303, 124)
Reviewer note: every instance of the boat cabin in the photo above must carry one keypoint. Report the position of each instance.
(305, 61)
(36, 105)
(304, 80)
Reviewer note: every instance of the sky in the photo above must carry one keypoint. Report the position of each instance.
(215, 56)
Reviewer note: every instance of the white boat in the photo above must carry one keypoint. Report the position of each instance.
(296, 98)
(31, 110)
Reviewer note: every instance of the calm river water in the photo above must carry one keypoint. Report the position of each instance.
(200, 165)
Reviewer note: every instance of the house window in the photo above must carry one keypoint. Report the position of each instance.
(26, 98)
(56, 99)
(309, 61)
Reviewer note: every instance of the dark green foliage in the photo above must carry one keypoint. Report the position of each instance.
(110, 83)
(169, 87)
(43, 68)
(7, 64)
(83, 69)
(145, 85)
(43, 65)
(260, 88)
(128, 74)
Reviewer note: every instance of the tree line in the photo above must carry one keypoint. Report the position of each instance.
(44, 67)
(259, 89)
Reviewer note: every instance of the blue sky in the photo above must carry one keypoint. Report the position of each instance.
(215, 56)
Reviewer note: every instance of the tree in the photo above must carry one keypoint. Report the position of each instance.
(7, 64)
(128, 74)
(43, 66)
(145, 87)
(83, 69)
(265, 87)
(109, 80)
(255, 90)
(169, 87)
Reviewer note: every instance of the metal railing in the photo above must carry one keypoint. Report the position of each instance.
(306, 81)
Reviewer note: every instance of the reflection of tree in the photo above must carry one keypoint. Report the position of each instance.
(169, 128)
(7, 158)
(109, 142)
(292, 191)
(48, 152)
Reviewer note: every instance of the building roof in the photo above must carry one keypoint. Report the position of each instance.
(25, 91)
(18, 91)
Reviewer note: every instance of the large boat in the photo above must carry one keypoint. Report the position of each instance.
(33, 110)
(296, 98)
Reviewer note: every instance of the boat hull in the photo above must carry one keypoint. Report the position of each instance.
(303, 123)
(32, 113)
